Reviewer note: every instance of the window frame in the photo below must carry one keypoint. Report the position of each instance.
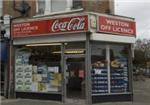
(48, 8)
(108, 46)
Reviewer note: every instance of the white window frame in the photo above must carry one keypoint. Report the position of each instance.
(37, 7)
(48, 7)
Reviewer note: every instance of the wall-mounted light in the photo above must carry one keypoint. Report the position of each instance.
(71, 51)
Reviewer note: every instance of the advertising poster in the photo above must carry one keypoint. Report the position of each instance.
(41, 87)
(19, 87)
(34, 86)
(28, 77)
(56, 81)
(19, 60)
(19, 81)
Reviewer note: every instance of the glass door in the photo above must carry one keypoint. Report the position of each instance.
(75, 77)
(74, 72)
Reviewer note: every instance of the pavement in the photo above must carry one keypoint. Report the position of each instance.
(141, 97)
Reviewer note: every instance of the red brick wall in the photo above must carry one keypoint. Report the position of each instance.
(8, 7)
(100, 6)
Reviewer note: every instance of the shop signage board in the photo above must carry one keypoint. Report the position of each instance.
(114, 25)
(50, 26)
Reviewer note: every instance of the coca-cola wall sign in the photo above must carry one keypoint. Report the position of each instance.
(50, 26)
(116, 26)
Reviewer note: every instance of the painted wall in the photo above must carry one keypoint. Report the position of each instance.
(1, 7)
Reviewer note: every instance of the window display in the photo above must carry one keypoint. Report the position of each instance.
(109, 68)
(23, 72)
(99, 70)
(38, 69)
(119, 68)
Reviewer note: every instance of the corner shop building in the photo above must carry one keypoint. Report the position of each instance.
(86, 56)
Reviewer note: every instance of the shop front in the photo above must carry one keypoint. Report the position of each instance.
(74, 57)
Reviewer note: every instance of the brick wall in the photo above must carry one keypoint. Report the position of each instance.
(8, 7)
(100, 6)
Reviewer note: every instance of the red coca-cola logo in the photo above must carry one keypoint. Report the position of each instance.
(69, 25)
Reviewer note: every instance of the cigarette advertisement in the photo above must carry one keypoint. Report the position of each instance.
(28, 77)
(23, 78)
(19, 78)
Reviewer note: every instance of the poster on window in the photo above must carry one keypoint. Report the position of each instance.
(19, 78)
(119, 75)
(19, 60)
(28, 77)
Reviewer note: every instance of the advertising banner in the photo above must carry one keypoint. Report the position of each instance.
(50, 26)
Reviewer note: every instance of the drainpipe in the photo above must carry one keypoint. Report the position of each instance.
(14, 6)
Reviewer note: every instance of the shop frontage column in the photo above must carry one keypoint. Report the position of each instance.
(88, 69)
(63, 73)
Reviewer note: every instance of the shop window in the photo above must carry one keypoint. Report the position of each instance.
(109, 68)
(119, 68)
(37, 69)
(99, 70)
(52, 6)
(58, 5)
(77, 4)
(40, 6)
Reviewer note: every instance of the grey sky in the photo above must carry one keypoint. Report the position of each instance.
(138, 9)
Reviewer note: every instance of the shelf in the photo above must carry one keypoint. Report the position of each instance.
(40, 92)
(112, 94)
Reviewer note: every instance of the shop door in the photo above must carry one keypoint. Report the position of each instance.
(75, 78)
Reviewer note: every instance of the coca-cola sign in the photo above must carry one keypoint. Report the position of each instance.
(48, 27)
(71, 25)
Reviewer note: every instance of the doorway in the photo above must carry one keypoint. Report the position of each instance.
(75, 77)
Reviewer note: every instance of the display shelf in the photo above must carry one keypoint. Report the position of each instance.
(52, 92)
(119, 79)
(36, 75)
(121, 93)
(99, 80)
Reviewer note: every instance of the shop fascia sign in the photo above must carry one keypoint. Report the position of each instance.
(114, 25)
(50, 26)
